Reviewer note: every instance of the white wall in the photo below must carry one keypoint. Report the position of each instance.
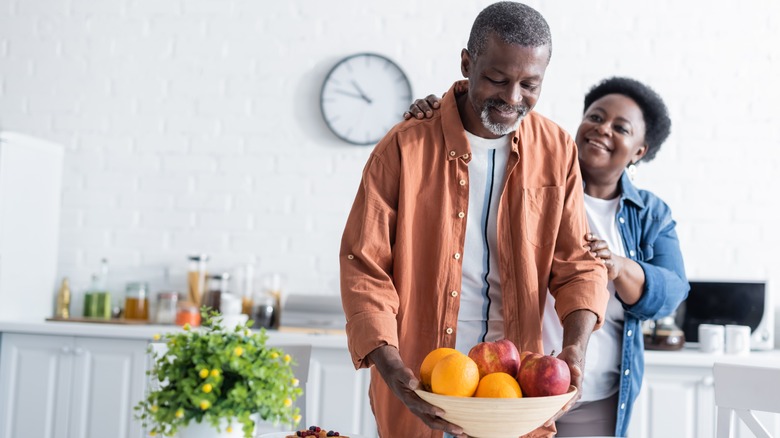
(194, 125)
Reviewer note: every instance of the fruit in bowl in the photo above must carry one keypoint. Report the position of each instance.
(496, 357)
(543, 376)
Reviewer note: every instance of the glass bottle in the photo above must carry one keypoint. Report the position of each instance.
(137, 301)
(196, 278)
(63, 300)
(217, 286)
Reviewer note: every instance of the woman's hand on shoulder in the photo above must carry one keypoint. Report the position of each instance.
(423, 108)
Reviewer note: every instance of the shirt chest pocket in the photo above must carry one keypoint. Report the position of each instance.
(542, 209)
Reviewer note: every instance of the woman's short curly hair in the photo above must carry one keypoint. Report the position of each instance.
(656, 115)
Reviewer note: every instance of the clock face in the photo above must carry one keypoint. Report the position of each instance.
(363, 96)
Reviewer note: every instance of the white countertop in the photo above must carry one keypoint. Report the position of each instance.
(144, 331)
(690, 356)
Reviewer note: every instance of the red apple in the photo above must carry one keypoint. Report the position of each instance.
(496, 357)
(541, 376)
(523, 356)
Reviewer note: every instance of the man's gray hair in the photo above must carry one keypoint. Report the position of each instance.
(514, 23)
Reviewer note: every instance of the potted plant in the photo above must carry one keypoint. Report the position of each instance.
(220, 377)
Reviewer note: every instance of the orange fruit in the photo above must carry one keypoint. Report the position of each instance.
(498, 385)
(455, 374)
(430, 361)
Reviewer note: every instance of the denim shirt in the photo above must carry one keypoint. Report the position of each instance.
(649, 237)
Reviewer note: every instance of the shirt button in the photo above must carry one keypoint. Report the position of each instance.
(622, 406)
(454, 293)
(465, 156)
(452, 153)
(449, 330)
(631, 253)
(350, 257)
(622, 221)
(461, 215)
(462, 182)
(627, 372)
(629, 332)
(457, 256)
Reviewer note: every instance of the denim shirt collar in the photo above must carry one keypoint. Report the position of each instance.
(629, 192)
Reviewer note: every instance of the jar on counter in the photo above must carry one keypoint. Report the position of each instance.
(196, 277)
(137, 301)
(217, 286)
(187, 312)
(167, 307)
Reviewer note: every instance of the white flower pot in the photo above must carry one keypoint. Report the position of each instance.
(206, 430)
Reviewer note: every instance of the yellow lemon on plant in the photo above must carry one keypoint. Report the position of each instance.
(287, 403)
(152, 433)
(215, 373)
(287, 358)
(155, 408)
(229, 429)
(156, 337)
(295, 382)
(274, 355)
(179, 413)
(203, 373)
(186, 326)
(207, 388)
(297, 419)
(238, 351)
(204, 404)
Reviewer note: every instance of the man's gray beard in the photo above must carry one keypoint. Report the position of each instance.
(498, 128)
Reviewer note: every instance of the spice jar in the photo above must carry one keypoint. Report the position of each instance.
(137, 301)
(187, 313)
(166, 307)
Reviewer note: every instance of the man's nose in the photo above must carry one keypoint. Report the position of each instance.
(513, 95)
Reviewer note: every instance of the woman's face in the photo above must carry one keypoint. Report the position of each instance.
(610, 137)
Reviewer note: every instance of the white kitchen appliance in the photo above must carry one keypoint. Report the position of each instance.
(30, 197)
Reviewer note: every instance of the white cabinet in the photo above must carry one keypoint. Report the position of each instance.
(70, 387)
(677, 397)
(337, 395)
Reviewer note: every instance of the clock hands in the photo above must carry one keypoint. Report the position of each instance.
(362, 94)
(351, 94)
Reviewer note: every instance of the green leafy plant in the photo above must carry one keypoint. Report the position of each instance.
(212, 374)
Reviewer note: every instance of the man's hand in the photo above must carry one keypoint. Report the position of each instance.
(577, 328)
(402, 382)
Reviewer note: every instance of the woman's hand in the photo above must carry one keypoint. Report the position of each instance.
(422, 108)
(600, 250)
(402, 382)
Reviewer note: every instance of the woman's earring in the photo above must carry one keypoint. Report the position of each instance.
(631, 171)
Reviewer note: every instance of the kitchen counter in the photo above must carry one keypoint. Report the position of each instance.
(144, 331)
(690, 356)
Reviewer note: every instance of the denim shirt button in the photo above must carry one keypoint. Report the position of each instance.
(627, 372)
(629, 332)
(622, 221)
(631, 253)
(622, 406)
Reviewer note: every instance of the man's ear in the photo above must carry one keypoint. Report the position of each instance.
(465, 63)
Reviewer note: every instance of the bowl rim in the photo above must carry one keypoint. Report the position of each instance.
(568, 395)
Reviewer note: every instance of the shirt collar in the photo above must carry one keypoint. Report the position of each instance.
(630, 192)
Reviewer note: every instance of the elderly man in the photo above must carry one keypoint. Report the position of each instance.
(462, 223)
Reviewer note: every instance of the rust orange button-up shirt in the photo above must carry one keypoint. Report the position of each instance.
(402, 249)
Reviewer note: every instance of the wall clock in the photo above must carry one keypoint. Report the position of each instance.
(363, 96)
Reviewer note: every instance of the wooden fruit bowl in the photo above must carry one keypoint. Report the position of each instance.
(498, 417)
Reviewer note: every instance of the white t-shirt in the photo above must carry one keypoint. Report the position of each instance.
(602, 360)
(480, 318)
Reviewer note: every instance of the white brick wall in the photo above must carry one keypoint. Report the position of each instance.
(194, 126)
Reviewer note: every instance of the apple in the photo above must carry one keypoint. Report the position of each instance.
(541, 376)
(496, 357)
